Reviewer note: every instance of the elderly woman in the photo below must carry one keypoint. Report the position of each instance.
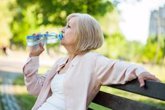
(73, 82)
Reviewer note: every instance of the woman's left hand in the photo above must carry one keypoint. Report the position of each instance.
(146, 76)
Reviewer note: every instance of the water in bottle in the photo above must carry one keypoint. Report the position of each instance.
(47, 38)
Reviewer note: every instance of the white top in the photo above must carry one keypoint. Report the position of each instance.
(56, 101)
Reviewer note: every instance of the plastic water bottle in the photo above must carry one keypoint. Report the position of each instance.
(47, 38)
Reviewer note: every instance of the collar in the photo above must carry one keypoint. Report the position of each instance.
(75, 60)
(64, 60)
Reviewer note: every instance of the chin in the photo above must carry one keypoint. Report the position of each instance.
(62, 43)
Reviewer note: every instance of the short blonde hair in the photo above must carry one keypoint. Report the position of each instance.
(88, 32)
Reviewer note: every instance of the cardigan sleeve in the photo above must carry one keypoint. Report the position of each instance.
(110, 71)
(32, 79)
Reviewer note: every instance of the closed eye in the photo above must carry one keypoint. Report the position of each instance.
(68, 26)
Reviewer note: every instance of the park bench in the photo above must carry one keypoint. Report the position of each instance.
(152, 89)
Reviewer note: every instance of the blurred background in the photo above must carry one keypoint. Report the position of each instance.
(134, 30)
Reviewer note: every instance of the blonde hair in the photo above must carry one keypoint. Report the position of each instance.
(88, 32)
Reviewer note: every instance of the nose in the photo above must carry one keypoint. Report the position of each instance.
(63, 30)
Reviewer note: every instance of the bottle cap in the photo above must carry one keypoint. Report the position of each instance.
(60, 36)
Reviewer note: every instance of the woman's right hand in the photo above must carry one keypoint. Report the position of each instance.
(36, 51)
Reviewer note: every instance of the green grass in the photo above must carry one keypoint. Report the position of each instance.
(98, 107)
(26, 101)
(19, 81)
(1, 105)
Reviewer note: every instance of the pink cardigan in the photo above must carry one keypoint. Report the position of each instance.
(83, 80)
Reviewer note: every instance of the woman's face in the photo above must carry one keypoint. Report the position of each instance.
(69, 39)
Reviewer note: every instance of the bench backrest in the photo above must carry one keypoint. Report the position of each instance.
(152, 89)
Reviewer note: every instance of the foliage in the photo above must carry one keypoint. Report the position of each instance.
(5, 19)
(134, 50)
(39, 16)
(116, 43)
(117, 47)
(153, 51)
(30, 15)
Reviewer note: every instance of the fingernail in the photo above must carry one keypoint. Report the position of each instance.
(141, 85)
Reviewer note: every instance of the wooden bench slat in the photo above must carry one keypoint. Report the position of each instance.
(119, 103)
(152, 89)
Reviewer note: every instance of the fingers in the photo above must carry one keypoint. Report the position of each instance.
(41, 46)
(141, 81)
(155, 79)
(151, 77)
(146, 76)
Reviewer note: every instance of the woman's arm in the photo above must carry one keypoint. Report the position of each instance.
(33, 80)
(119, 72)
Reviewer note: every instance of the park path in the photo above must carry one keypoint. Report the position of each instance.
(10, 68)
(7, 97)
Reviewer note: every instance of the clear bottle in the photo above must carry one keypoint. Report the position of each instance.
(47, 38)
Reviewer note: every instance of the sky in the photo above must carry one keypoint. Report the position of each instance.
(134, 17)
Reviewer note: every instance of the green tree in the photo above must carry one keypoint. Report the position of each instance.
(134, 50)
(150, 50)
(5, 19)
(30, 15)
(114, 46)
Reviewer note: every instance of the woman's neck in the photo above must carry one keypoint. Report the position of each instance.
(71, 52)
(71, 56)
